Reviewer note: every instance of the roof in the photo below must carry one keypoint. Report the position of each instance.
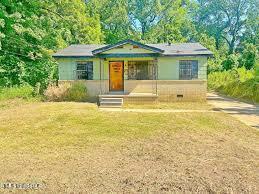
(180, 49)
(144, 46)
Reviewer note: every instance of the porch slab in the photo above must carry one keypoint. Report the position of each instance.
(121, 95)
(132, 97)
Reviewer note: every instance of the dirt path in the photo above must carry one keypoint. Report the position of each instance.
(245, 112)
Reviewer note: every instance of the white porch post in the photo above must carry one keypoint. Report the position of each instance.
(155, 73)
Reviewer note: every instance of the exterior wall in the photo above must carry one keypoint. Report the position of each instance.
(168, 85)
(167, 90)
(182, 90)
(94, 87)
(168, 67)
(67, 67)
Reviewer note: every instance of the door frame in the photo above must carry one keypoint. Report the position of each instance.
(122, 77)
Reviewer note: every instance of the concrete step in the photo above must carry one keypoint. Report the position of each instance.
(111, 102)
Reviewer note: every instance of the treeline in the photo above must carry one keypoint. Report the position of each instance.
(30, 31)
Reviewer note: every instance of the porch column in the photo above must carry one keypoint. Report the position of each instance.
(155, 73)
(101, 76)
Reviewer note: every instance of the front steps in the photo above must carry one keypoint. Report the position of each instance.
(116, 100)
(110, 102)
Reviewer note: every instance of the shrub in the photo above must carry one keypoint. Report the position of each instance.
(66, 92)
(77, 92)
(24, 92)
(56, 93)
(248, 57)
(230, 62)
(240, 83)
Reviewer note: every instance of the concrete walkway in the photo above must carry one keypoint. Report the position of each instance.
(154, 110)
(245, 112)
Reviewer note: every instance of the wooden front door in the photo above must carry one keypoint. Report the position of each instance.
(116, 76)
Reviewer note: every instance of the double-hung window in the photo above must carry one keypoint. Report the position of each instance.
(84, 70)
(188, 69)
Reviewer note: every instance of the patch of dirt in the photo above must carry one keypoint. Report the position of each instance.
(166, 162)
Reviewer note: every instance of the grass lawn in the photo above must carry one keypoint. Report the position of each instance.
(73, 147)
(172, 105)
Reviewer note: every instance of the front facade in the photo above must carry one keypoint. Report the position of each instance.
(164, 72)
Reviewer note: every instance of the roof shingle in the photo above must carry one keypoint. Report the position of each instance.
(180, 49)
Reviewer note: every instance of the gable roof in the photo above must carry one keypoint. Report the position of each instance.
(179, 49)
(128, 41)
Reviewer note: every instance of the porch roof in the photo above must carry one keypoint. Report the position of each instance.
(94, 50)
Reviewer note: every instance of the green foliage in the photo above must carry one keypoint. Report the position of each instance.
(225, 20)
(257, 72)
(66, 92)
(248, 57)
(230, 62)
(30, 31)
(77, 92)
(24, 92)
(240, 83)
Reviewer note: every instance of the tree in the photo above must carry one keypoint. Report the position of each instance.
(144, 14)
(248, 56)
(32, 30)
(113, 15)
(224, 20)
(174, 24)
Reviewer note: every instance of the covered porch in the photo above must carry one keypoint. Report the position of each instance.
(127, 80)
(128, 75)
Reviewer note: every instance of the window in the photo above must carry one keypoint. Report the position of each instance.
(188, 69)
(140, 70)
(84, 70)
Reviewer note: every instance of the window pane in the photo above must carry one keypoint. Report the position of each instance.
(84, 70)
(188, 69)
(194, 69)
(140, 70)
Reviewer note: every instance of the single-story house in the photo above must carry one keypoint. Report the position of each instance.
(139, 72)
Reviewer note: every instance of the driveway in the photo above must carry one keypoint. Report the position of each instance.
(245, 112)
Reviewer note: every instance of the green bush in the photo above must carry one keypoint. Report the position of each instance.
(77, 92)
(257, 72)
(230, 62)
(66, 92)
(240, 83)
(24, 92)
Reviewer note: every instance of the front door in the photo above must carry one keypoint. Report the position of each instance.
(116, 76)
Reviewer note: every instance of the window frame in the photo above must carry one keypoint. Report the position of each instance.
(193, 70)
(88, 72)
(138, 71)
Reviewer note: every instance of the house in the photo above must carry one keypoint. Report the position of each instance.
(136, 72)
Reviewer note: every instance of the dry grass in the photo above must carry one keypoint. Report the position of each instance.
(172, 105)
(73, 147)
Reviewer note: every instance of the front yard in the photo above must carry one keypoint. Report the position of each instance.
(74, 147)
